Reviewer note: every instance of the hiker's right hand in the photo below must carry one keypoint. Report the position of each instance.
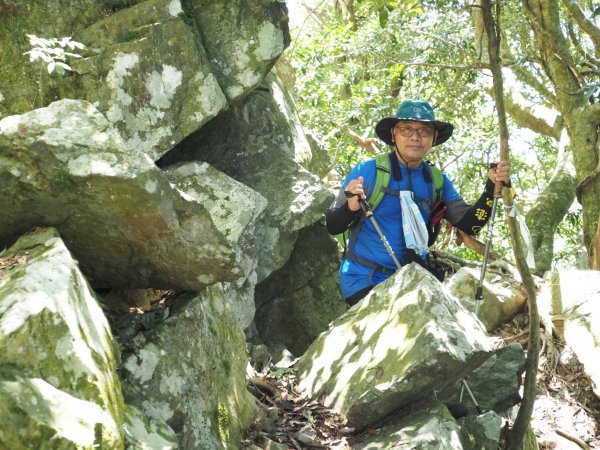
(356, 187)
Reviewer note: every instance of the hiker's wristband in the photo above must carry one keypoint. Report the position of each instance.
(349, 211)
(489, 188)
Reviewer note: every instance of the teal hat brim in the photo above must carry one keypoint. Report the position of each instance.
(384, 126)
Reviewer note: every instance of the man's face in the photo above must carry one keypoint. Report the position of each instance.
(413, 140)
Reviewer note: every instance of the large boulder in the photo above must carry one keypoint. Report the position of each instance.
(159, 69)
(128, 224)
(252, 143)
(297, 302)
(407, 340)
(243, 39)
(58, 379)
(432, 428)
(502, 300)
(234, 209)
(153, 101)
(575, 295)
(191, 373)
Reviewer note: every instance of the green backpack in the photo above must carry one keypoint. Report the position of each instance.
(382, 180)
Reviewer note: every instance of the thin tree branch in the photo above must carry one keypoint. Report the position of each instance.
(516, 434)
(472, 66)
(371, 144)
(584, 23)
(588, 59)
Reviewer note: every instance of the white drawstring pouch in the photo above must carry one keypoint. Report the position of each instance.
(413, 225)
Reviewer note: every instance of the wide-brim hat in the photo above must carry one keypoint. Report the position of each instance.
(418, 111)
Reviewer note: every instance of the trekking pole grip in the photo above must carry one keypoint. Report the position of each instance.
(365, 207)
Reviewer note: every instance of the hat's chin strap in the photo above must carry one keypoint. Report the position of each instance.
(402, 160)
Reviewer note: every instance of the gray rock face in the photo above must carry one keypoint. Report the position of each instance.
(243, 39)
(153, 102)
(406, 340)
(58, 379)
(502, 371)
(191, 374)
(297, 302)
(481, 432)
(65, 166)
(253, 144)
(433, 428)
(501, 301)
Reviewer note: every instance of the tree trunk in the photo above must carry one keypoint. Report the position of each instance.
(550, 208)
(581, 118)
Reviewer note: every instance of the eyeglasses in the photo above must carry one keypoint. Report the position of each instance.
(407, 131)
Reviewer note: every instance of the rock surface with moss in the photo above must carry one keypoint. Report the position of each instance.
(297, 302)
(66, 166)
(191, 373)
(407, 340)
(58, 359)
(252, 142)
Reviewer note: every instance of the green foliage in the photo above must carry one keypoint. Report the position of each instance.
(355, 68)
(352, 75)
(53, 52)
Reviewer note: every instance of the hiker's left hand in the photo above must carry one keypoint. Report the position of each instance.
(500, 173)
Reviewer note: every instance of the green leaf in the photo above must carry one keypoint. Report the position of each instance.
(383, 17)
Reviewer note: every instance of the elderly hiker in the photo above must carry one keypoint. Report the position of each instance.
(407, 196)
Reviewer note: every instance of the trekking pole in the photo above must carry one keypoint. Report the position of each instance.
(368, 212)
(479, 292)
(369, 215)
(488, 242)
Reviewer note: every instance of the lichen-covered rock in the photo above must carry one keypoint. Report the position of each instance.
(34, 412)
(142, 433)
(57, 356)
(407, 340)
(145, 66)
(432, 428)
(501, 301)
(259, 150)
(297, 302)
(122, 218)
(149, 74)
(243, 39)
(191, 374)
(575, 294)
(234, 209)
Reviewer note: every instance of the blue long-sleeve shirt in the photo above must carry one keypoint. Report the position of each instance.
(355, 276)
